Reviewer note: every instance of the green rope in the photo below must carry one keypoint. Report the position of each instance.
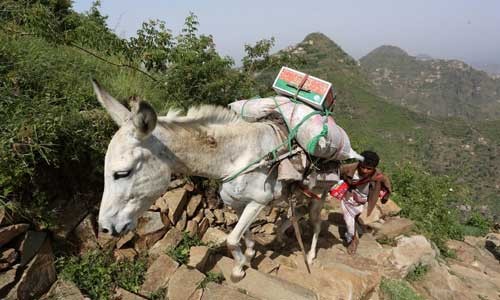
(313, 143)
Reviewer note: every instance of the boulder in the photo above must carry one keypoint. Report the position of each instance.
(214, 237)
(215, 291)
(8, 233)
(410, 252)
(68, 217)
(193, 204)
(209, 215)
(394, 227)
(158, 274)
(38, 277)
(198, 256)
(176, 201)
(63, 289)
(184, 283)
(485, 285)
(171, 239)
(269, 287)
(7, 280)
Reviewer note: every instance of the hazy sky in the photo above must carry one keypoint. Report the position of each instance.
(462, 29)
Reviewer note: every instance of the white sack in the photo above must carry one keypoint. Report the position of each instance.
(293, 113)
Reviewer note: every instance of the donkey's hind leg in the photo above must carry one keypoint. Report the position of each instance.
(246, 219)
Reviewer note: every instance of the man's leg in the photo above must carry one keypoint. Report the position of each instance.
(349, 222)
(353, 246)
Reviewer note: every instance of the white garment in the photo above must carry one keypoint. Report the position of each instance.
(353, 204)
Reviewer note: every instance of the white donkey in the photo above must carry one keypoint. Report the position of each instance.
(209, 141)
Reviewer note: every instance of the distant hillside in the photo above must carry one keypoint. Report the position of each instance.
(436, 87)
(450, 146)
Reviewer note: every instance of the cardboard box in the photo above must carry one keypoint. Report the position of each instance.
(313, 91)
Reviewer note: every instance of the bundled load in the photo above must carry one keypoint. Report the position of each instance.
(318, 134)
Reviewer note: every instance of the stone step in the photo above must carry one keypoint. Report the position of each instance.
(265, 286)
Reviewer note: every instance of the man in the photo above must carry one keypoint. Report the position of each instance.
(365, 184)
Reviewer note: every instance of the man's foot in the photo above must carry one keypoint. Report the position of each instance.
(353, 246)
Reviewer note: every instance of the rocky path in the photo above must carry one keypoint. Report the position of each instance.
(388, 249)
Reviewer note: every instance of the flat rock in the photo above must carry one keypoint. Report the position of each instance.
(219, 216)
(269, 287)
(30, 245)
(124, 240)
(158, 274)
(193, 205)
(209, 215)
(374, 216)
(264, 264)
(394, 227)
(177, 201)
(63, 289)
(203, 226)
(184, 283)
(439, 284)
(485, 285)
(38, 277)
(171, 239)
(67, 218)
(125, 254)
(198, 256)
(410, 252)
(192, 228)
(8, 233)
(273, 215)
(121, 294)
(7, 278)
(389, 209)
(214, 237)
(150, 229)
(182, 222)
(85, 235)
(492, 243)
(215, 291)
(231, 218)
(7, 258)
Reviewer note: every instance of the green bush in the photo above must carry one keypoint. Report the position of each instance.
(181, 252)
(429, 200)
(398, 290)
(97, 274)
(417, 273)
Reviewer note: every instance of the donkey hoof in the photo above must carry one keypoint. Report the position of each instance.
(310, 257)
(237, 275)
(249, 254)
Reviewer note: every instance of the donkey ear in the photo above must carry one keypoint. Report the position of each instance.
(119, 113)
(143, 117)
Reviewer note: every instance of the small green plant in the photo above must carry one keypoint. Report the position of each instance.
(181, 252)
(398, 290)
(417, 273)
(212, 277)
(477, 225)
(96, 273)
(159, 294)
(387, 241)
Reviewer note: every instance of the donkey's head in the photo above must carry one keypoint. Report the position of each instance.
(136, 171)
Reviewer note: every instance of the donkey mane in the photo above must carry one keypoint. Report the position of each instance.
(198, 117)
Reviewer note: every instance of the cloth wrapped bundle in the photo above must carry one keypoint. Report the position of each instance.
(319, 135)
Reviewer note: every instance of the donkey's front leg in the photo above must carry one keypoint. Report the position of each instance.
(315, 215)
(246, 219)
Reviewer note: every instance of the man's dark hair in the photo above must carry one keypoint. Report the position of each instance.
(371, 158)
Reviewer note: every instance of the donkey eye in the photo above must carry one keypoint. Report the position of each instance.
(121, 174)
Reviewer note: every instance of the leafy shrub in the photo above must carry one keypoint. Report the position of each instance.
(477, 225)
(96, 274)
(398, 290)
(181, 252)
(428, 200)
(212, 277)
(417, 273)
